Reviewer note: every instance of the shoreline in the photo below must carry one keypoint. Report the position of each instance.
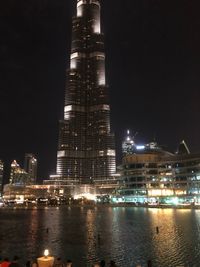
(103, 205)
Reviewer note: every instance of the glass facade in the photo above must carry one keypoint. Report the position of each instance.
(18, 176)
(30, 166)
(86, 150)
(160, 174)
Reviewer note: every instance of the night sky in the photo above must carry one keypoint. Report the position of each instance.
(153, 70)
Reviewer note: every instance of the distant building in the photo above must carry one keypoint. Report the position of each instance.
(30, 166)
(128, 145)
(151, 172)
(1, 177)
(26, 192)
(30, 192)
(18, 176)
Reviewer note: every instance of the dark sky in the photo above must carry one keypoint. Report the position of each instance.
(153, 70)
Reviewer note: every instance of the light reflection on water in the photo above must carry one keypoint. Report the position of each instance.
(86, 235)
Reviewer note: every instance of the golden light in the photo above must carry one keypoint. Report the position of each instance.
(160, 192)
(46, 253)
(87, 196)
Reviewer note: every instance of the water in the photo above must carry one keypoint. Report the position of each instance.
(86, 235)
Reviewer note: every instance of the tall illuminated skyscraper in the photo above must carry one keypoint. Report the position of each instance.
(86, 149)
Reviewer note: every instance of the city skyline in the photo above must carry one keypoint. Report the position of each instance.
(152, 62)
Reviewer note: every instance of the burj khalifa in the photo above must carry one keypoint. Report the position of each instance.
(86, 147)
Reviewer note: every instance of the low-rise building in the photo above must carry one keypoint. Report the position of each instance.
(153, 174)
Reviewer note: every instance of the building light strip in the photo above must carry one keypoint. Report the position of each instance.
(74, 108)
(100, 107)
(78, 55)
(81, 2)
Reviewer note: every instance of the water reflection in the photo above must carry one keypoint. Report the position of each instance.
(87, 235)
(165, 241)
(32, 231)
(91, 235)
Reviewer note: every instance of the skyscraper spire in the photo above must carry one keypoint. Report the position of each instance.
(86, 151)
(90, 9)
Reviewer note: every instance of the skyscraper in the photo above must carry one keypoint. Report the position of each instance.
(18, 176)
(128, 144)
(30, 166)
(86, 149)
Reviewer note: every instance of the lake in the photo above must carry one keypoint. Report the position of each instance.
(127, 235)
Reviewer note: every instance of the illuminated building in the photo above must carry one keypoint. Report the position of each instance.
(86, 150)
(152, 172)
(18, 176)
(128, 145)
(30, 166)
(26, 192)
(1, 176)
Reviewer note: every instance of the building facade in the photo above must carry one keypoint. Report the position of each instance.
(153, 173)
(128, 144)
(18, 176)
(86, 149)
(30, 166)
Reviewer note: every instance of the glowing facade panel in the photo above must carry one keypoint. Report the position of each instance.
(97, 27)
(61, 154)
(98, 55)
(80, 7)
